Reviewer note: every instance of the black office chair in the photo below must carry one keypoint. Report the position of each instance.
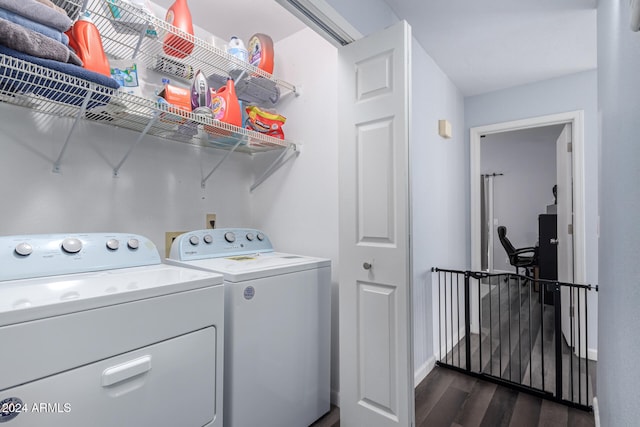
(526, 258)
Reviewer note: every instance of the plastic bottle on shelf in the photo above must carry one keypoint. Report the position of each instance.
(84, 38)
(179, 16)
(236, 48)
(261, 52)
(225, 106)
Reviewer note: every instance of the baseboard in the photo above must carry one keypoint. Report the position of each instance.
(596, 412)
(422, 372)
(592, 354)
(335, 398)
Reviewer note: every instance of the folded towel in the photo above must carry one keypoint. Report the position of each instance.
(54, 87)
(38, 12)
(35, 26)
(52, 6)
(25, 40)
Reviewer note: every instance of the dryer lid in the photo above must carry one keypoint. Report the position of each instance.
(36, 298)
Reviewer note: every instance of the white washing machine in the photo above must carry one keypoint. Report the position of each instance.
(277, 326)
(96, 331)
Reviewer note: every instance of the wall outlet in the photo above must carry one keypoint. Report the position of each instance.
(211, 221)
(169, 237)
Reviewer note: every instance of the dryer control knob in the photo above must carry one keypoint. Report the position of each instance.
(24, 249)
(71, 245)
(133, 244)
(207, 238)
(229, 237)
(194, 240)
(250, 237)
(260, 236)
(113, 244)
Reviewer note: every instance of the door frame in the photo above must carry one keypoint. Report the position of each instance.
(576, 119)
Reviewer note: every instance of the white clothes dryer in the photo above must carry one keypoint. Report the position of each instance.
(96, 331)
(277, 326)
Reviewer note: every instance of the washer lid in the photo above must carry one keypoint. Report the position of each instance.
(254, 266)
(36, 298)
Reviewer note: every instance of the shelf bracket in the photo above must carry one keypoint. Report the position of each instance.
(141, 36)
(153, 120)
(226, 156)
(293, 150)
(81, 111)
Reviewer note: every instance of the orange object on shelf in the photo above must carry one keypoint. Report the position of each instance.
(178, 101)
(265, 122)
(85, 39)
(261, 52)
(179, 16)
(225, 105)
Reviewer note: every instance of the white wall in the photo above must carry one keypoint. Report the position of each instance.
(438, 182)
(158, 188)
(298, 205)
(570, 93)
(619, 346)
(527, 158)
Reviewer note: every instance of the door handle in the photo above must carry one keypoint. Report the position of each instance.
(124, 371)
(553, 241)
(367, 266)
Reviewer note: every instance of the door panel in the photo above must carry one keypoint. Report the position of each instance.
(376, 374)
(374, 76)
(376, 182)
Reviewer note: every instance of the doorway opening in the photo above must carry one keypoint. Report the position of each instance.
(518, 178)
(478, 134)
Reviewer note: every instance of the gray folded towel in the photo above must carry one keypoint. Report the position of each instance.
(38, 12)
(52, 5)
(22, 39)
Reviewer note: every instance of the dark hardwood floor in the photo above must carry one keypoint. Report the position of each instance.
(516, 343)
(331, 419)
(446, 398)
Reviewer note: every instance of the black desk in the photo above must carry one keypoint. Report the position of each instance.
(548, 251)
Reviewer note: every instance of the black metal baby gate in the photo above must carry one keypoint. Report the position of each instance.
(528, 334)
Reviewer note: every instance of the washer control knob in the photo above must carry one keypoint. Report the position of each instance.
(229, 237)
(71, 245)
(250, 237)
(260, 236)
(113, 244)
(133, 244)
(194, 240)
(207, 239)
(24, 249)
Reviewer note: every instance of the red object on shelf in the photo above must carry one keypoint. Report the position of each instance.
(85, 39)
(179, 16)
(225, 105)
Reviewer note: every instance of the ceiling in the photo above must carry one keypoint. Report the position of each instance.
(482, 45)
(486, 45)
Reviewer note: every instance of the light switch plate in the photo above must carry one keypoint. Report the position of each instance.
(444, 129)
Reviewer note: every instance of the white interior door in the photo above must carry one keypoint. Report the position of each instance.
(376, 375)
(565, 222)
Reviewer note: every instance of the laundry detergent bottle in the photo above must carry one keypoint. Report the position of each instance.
(179, 16)
(84, 38)
(261, 52)
(225, 106)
